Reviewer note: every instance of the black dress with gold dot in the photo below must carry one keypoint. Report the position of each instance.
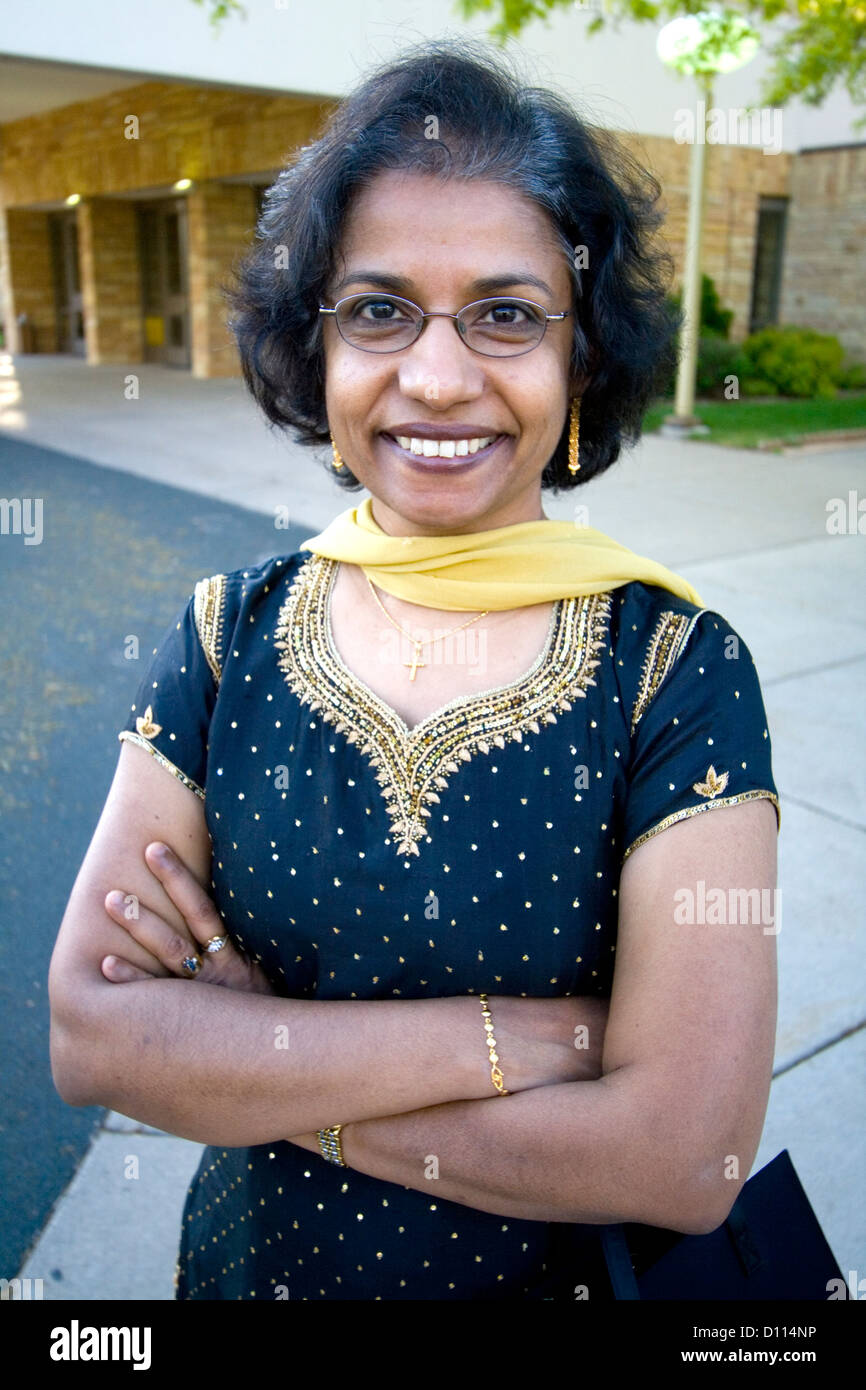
(355, 858)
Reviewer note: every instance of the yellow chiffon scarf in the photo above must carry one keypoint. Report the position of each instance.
(507, 567)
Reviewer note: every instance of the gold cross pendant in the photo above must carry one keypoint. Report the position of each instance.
(415, 662)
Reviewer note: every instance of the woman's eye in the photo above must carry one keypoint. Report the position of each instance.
(506, 314)
(377, 310)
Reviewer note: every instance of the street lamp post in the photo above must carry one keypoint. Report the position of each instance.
(699, 45)
(684, 420)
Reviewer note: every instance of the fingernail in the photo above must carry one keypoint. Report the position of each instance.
(162, 854)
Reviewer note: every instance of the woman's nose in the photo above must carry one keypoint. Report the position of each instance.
(439, 368)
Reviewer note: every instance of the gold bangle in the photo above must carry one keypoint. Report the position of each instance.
(495, 1072)
(331, 1145)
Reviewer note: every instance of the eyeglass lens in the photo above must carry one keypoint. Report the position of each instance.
(386, 323)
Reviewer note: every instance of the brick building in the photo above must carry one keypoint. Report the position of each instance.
(121, 213)
(132, 271)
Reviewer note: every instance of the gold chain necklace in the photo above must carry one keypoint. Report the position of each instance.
(415, 663)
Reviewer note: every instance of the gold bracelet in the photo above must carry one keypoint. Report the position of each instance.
(495, 1072)
(331, 1145)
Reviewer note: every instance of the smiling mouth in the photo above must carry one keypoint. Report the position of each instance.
(444, 448)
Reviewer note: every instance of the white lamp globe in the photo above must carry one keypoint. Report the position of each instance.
(691, 43)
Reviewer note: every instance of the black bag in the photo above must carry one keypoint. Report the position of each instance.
(770, 1247)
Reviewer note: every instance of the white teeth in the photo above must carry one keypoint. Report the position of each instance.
(444, 448)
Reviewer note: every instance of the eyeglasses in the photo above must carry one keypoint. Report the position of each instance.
(493, 327)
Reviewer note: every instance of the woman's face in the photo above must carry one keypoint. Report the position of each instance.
(440, 243)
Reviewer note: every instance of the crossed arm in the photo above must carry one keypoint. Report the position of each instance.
(648, 1140)
(681, 1086)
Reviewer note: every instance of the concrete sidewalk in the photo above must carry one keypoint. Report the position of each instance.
(749, 530)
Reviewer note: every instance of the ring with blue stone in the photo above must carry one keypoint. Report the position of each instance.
(191, 965)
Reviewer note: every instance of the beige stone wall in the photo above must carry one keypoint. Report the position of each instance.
(182, 132)
(203, 134)
(25, 264)
(824, 277)
(221, 222)
(737, 178)
(110, 280)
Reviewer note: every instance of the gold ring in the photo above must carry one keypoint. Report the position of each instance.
(215, 944)
(191, 965)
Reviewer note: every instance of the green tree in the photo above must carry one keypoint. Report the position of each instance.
(218, 10)
(813, 45)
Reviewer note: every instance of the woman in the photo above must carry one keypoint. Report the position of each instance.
(423, 865)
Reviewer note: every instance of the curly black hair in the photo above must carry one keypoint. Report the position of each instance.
(602, 204)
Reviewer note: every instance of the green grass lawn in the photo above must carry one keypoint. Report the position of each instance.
(744, 423)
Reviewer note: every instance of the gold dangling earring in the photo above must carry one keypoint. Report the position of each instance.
(338, 460)
(574, 437)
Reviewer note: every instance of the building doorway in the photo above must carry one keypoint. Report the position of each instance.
(162, 232)
(67, 284)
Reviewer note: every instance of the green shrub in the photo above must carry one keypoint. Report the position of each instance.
(852, 377)
(715, 321)
(717, 359)
(754, 386)
(792, 362)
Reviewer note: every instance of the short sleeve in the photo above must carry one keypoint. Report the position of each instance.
(171, 714)
(699, 735)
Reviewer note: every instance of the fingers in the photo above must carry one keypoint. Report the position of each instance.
(120, 972)
(183, 953)
(223, 966)
(187, 894)
(166, 947)
(125, 909)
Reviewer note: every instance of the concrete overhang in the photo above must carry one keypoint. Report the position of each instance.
(31, 86)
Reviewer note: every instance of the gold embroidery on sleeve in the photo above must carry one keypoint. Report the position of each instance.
(713, 785)
(665, 646)
(145, 724)
(696, 811)
(126, 735)
(208, 607)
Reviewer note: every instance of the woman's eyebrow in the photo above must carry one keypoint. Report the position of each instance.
(494, 284)
(395, 283)
(489, 284)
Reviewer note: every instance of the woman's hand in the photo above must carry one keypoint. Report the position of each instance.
(168, 948)
(547, 1042)
(541, 1042)
(310, 1142)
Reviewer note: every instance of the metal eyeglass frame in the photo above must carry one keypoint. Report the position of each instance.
(457, 319)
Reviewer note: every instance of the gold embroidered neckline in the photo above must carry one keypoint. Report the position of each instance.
(410, 763)
(387, 712)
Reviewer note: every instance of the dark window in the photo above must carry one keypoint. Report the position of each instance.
(769, 250)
